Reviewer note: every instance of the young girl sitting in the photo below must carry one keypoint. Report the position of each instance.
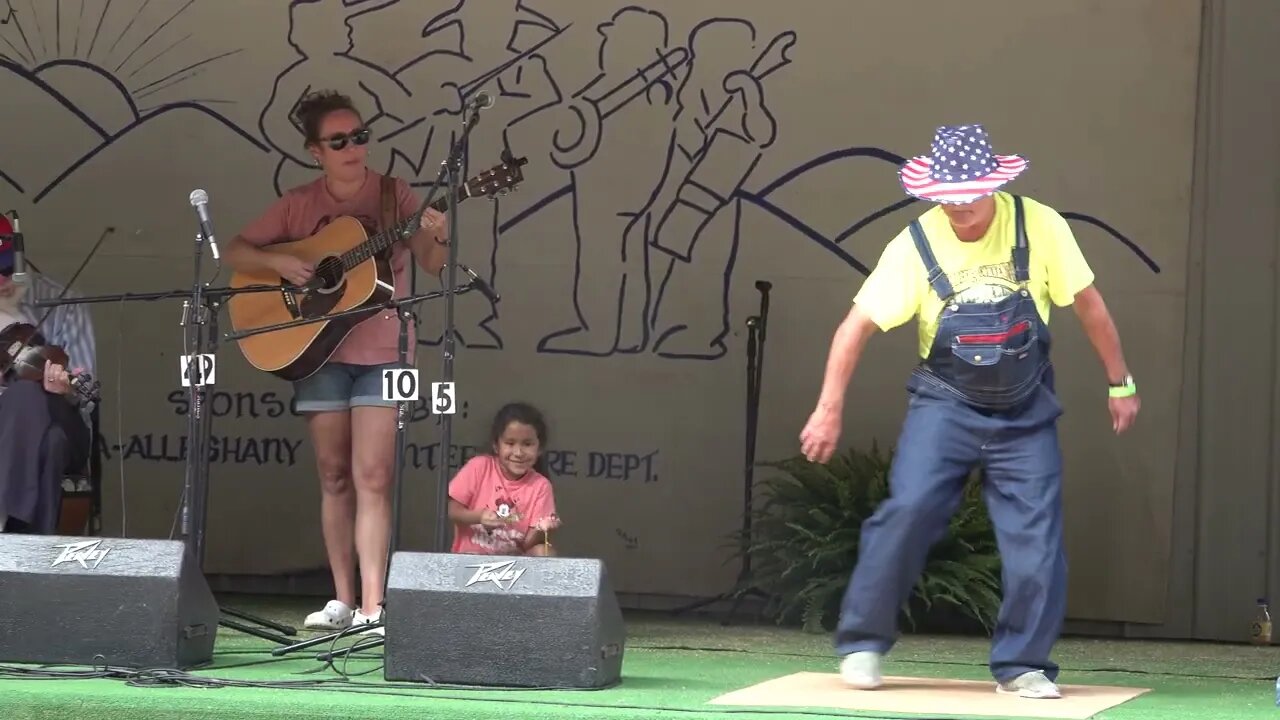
(502, 504)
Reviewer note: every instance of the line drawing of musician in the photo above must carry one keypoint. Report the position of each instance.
(326, 48)
(631, 97)
(526, 22)
(523, 87)
(723, 128)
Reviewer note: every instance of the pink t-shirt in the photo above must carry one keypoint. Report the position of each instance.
(481, 484)
(303, 211)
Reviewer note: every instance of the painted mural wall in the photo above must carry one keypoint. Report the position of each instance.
(679, 155)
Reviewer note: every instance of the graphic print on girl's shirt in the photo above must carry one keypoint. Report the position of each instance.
(481, 485)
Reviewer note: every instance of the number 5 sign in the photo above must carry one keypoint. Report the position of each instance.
(443, 399)
(400, 384)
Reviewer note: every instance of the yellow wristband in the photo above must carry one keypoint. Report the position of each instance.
(1127, 390)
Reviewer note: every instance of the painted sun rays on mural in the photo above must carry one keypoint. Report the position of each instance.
(92, 73)
(143, 48)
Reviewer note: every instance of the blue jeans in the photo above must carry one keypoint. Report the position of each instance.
(941, 441)
(341, 386)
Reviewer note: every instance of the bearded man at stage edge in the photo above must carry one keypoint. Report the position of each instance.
(980, 270)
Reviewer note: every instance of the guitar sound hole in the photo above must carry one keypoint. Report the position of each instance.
(329, 273)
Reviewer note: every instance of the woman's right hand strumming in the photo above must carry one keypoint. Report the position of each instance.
(295, 270)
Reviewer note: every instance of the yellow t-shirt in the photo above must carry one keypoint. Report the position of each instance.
(980, 271)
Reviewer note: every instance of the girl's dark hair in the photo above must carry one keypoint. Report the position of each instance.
(312, 110)
(528, 415)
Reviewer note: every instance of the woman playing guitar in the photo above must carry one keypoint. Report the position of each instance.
(352, 429)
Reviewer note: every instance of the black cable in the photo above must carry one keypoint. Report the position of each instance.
(169, 678)
(352, 652)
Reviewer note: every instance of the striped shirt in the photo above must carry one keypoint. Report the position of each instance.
(69, 326)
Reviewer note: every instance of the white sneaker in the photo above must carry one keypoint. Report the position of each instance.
(361, 619)
(1032, 684)
(335, 616)
(861, 670)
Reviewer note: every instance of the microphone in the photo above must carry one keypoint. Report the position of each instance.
(479, 284)
(481, 101)
(763, 285)
(200, 201)
(19, 250)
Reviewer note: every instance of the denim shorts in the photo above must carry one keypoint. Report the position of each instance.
(341, 386)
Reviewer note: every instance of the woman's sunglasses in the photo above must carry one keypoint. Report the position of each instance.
(356, 137)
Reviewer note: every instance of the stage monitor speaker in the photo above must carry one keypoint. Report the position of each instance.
(103, 601)
(532, 622)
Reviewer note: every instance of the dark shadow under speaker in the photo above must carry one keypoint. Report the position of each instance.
(103, 601)
(531, 622)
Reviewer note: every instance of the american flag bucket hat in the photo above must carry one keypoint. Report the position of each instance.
(961, 167)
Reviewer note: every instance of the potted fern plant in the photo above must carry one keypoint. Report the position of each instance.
(805, 538)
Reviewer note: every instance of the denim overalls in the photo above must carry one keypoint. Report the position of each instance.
(983, 397)
(991, 356)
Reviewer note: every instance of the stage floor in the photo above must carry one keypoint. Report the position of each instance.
(685, 668)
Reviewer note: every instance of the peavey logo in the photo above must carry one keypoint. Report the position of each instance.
(82, 552)
(497, 573)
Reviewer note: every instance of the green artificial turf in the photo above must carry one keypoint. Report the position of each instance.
(672, 669)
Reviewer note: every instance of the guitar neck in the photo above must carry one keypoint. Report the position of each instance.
(402, 230)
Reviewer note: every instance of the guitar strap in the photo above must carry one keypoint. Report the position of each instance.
(390, 209)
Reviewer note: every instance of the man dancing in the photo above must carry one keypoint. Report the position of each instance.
(980, 269)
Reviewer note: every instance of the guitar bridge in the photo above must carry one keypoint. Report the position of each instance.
(291, 303)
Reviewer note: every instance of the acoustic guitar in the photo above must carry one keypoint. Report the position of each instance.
(352, 270)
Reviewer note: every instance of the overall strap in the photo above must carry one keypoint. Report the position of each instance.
(389, 205)
(1021, 251)
(937, 279)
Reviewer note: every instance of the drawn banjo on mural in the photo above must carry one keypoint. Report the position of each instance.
(651, 236)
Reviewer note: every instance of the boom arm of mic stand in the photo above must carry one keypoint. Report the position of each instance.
(389, 305)
(162, 295)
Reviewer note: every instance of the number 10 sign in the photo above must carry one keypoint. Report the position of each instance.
(400, 384)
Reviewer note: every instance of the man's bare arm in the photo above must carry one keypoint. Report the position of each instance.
(1101, 329)
(821, 434)
(846, 349)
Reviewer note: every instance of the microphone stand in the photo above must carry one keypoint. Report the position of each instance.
(453, 171)
(199, 309)
(194, 473)
(451, 177)
(757, 330)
